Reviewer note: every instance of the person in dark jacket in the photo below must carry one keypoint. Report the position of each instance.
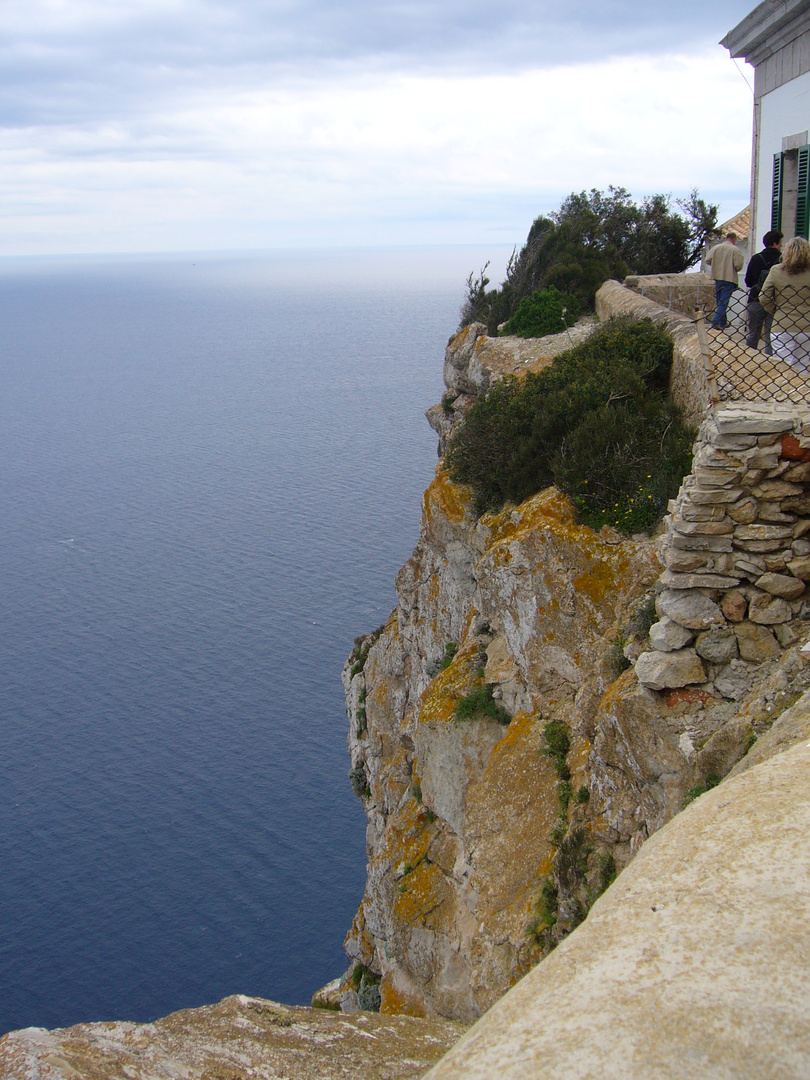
(759, 321)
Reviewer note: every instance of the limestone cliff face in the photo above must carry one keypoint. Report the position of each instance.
(484, 848)
(460, 813)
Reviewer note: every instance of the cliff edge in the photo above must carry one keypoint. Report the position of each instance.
(544, 698)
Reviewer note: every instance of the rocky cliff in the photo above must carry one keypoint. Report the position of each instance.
(490, 837)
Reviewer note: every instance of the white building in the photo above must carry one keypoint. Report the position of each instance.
(775, 39)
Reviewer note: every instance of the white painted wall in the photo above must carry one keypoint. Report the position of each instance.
(784, 111)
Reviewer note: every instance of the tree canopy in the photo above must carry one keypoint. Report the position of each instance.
(594, 236)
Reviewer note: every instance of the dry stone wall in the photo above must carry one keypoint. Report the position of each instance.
(736, 553)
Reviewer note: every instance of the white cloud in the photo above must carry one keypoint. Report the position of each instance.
(372, 157)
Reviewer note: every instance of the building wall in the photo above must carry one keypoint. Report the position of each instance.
(784, 112)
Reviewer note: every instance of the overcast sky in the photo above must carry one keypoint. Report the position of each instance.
(170, 125)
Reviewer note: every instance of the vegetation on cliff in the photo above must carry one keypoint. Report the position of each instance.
(597, 423)
(594, 236)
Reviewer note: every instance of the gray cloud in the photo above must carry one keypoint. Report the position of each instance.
(84, 63)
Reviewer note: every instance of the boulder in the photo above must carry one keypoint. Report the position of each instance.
(718, 645)
(667, 636)
(789, 588)
(756, 643)
(690, 608)
(661, 671)
(767, 610)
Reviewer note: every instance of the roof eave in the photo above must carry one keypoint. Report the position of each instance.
(767, 28)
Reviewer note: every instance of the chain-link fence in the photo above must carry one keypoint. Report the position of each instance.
(752, 355)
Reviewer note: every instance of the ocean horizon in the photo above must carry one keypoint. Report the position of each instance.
(212, 467)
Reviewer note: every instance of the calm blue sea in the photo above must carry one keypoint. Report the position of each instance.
(210, 472)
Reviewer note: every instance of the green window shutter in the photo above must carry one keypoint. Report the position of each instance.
(776, 197)
(803, 193)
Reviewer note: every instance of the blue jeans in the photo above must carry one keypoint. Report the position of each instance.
(722, 294)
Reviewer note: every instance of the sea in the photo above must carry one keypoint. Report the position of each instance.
(211, 468)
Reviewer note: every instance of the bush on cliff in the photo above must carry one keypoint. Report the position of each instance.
(597, 423)
(546, 312)
(594, 236)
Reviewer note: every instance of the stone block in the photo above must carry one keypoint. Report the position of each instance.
(701, 513)
(697, 581)
(717, 478)
(743, 512)
(797, 504)
(760, 547)
(772, 514)
(784, 585)
(763, 532)
(754, 419)
(786, 635)
(723, 564)
(689, 608)
(734, 605)
(662, 671)
(776, 489)
(798, 474)
(801, 528)
(761, 458)
(801, 546)
(756, 643)
(734, 681)
(800, 567)
(752, 477)
(767, 610)
(701, 543)
(733, 442)
(718, 645)
(702, 528)
(746, 572)
(684, 561)
(715, 496)
(668, 636)
(775, 563)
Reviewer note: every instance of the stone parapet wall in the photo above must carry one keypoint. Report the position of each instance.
(689, 384)
(678, 292)
(736, 552)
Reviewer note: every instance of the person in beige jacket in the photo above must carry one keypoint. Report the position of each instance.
(786, 296)
(725, 262)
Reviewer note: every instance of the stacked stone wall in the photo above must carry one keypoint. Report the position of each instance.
(736, 553)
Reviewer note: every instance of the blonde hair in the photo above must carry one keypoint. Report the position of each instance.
(796, 256)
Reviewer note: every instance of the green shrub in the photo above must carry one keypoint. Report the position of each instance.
(362, 647)
(615, 660)
(480, 704)
(596, 423)
(583, 795)
(594, 236)
(359, 782)
(557, 745)
(546, 907)
(607, 873)
(546, 312)
(711, 781)
(367, 985)
(450, 650)
(570, 862)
